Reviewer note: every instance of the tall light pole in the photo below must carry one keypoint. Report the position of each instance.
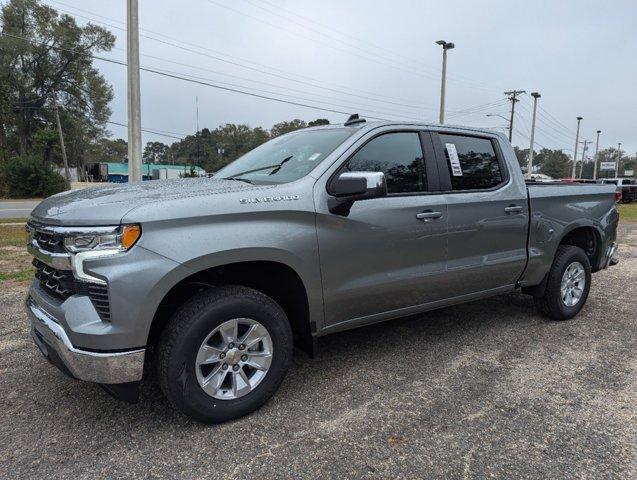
(619, 159)
(579, 119)
(445, 46)
(134, 103)
(595, 158)
(529, 169)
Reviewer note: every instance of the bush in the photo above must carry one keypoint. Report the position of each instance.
(22, 177)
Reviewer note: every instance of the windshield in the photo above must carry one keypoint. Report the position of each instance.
(286, 158)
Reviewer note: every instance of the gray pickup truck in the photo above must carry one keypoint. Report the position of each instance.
(212, 281)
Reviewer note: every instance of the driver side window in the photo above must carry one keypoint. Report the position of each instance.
(399, 156)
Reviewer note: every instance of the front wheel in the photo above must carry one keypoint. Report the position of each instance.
(568, 284)
(224, 353)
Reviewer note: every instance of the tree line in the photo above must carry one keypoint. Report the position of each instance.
(557, 164)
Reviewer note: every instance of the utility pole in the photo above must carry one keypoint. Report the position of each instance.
(529, 169)
(134, 101)
(581, 167)
(619, 157)
(513, 97)
(445, 46)
(595, 158)
(579, 119)
(198, 136)
(62, 146)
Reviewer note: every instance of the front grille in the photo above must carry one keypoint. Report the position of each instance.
(50, 242)
(99, 297)
(61, 284)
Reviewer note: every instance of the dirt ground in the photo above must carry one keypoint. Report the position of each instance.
(486, 389)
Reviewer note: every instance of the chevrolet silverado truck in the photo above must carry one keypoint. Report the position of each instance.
(212, 281)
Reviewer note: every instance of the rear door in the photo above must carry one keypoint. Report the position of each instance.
(385, 255)
(487, 213)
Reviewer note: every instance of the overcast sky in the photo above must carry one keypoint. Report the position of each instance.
(379, 58)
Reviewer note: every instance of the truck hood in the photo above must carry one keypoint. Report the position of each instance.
(106, 205)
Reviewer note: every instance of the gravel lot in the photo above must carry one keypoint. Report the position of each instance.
(484, 389)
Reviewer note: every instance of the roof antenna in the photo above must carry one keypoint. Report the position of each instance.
(353, 120)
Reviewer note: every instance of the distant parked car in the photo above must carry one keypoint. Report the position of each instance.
(625, 186)
(540, 177)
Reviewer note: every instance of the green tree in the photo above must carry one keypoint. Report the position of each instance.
(318, 121)
(286, 127)
(23, 177)
(522, 156)
(46, 57)
(107, 150)
(155, 152)
(556, 163)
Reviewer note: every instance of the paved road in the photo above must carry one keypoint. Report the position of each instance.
(16, 208)
(484, 389)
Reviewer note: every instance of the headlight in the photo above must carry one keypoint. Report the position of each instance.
(113, 239)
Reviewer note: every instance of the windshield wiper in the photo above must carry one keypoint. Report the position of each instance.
(239, 180)
(276, 168)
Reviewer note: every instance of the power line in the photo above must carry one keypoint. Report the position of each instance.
(174, 42)
(434, 70)
(200, 82)
(366, 108)
(374, 57)
(163, 133)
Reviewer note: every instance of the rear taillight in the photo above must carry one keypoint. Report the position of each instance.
(618, 196)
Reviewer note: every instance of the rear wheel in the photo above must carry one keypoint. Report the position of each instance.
(224, 353)
(567, 285)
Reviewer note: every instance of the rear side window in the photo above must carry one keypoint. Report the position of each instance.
(472, 162)
(399, 156)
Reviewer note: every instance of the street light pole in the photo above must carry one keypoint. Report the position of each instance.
(134, 103)
(619, 159)
(443, 82)
(529, 169)
(579, 119)
(595, 158)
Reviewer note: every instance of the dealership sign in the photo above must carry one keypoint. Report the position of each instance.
(628, 173)
(607, 166)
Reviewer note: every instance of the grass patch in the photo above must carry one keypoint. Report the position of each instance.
(17, 276)
(627, 212)
(13, 236)
(13, 220)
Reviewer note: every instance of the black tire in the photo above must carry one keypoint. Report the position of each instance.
(550, 302)
(187, 329)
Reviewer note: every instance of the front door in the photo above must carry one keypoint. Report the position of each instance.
(385, 256)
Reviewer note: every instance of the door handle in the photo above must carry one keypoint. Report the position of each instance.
(513, 209)
(428, 215)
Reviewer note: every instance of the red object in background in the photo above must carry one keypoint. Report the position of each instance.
(618, 196)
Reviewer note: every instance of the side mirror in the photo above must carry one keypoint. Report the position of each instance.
(350, 187)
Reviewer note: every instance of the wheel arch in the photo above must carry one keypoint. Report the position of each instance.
(268, 274)
(587, 236)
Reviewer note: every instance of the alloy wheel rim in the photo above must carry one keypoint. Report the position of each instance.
(234, 358)
(573, 283)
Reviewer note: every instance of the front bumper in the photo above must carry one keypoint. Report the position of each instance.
(98, 367)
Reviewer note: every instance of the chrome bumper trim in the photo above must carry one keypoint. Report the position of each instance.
(59, 261)
(109, 368)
